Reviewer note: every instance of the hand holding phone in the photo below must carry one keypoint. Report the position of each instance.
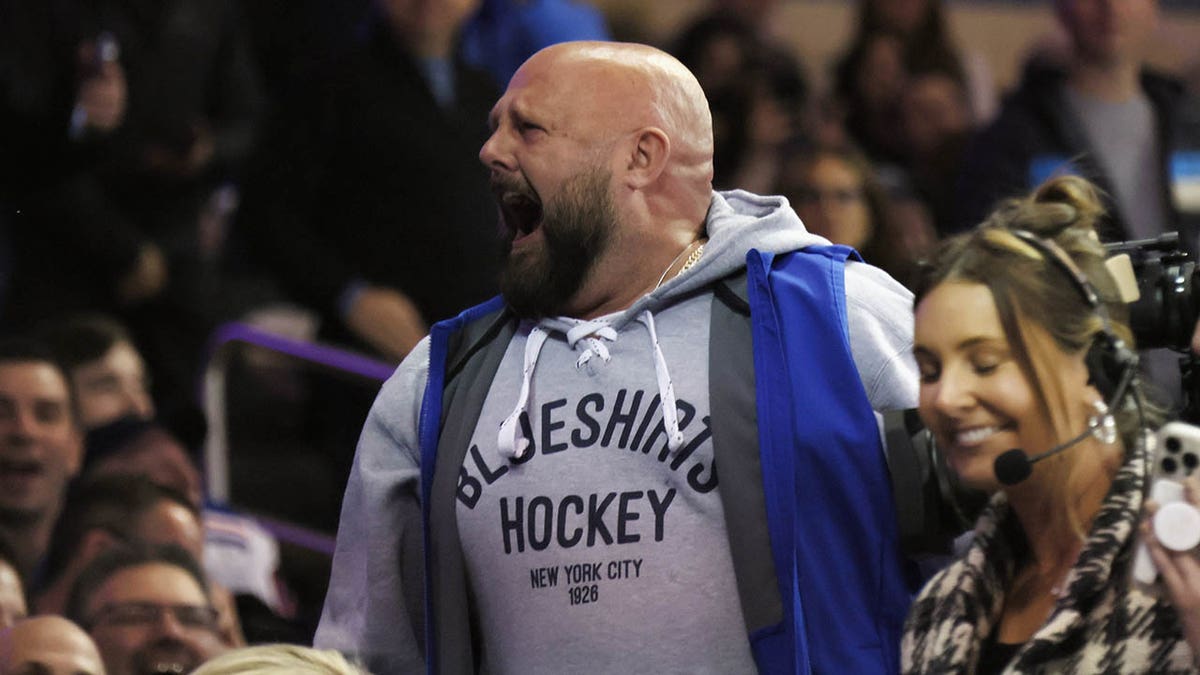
(1176, 522)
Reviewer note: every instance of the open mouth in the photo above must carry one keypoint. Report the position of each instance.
(19, 469)
(521, 214)
(166, 660)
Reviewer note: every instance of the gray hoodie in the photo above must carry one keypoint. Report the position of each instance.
(588, 503)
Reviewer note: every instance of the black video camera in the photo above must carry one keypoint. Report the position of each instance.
(1166, 313)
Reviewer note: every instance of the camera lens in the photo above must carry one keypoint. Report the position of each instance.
(1169, 305)
(1169, 465)
(1172, 444)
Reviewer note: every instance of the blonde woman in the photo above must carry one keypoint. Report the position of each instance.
(280, 659)
(1016, 332)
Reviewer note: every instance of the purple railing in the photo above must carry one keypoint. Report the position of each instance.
(216, 450)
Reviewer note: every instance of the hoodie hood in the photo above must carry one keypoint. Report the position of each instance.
(737, 222)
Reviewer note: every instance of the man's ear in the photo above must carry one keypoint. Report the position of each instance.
(94, 542)
(647, 156)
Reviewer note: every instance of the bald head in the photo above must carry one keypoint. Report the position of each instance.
(646, 85)
(48, 644)
(610, 88)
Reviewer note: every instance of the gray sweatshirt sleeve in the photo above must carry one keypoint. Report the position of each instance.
(374, 606)
(880, 316)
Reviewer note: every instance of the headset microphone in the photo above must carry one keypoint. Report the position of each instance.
(1013, 466)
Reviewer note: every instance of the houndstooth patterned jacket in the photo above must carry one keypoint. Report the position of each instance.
(1102, 624)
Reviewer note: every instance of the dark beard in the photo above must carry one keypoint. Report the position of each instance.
(576, 230)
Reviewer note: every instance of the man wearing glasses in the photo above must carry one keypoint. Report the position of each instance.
(149, 611)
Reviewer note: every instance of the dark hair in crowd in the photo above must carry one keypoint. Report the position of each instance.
(121, 558)
(83, 338)
(109, 503)
(927, 47)
(22, 349)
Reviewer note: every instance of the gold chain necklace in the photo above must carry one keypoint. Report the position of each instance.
(692, 259)
(687, 264)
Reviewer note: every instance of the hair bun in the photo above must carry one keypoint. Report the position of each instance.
(1064, 203)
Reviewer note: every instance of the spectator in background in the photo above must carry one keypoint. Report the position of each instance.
(121, 510)
(1107, 117)
(503, 33)
(13, 605)
(148, 609)
(836, 194)
(143, 447)
(109, 379)
(106, 512)
(108, 375)
(48, 645)
(917, 30)
(756, 91)
(935, 122)
(40, 448)
(240, 557)
(110, 386)
(867, 87)
(121, 120)
(373, 208)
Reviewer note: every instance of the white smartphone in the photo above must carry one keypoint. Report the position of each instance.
(1176, 454)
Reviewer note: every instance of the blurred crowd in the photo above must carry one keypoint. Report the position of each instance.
(170, 165)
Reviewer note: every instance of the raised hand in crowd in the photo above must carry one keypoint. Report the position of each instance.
(147, 279)
(103, 92)
(387, 320)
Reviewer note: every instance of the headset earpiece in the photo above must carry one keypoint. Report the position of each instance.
(1108, 359)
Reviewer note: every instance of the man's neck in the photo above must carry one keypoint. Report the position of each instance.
(1115, 81)
(633, 277)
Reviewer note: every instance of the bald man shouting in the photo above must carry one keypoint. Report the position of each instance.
(657, 450)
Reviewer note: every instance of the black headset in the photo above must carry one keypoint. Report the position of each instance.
(1109, 360)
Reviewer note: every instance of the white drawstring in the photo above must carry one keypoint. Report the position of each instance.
(666, 390)
(591, 333)
(509, 444)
